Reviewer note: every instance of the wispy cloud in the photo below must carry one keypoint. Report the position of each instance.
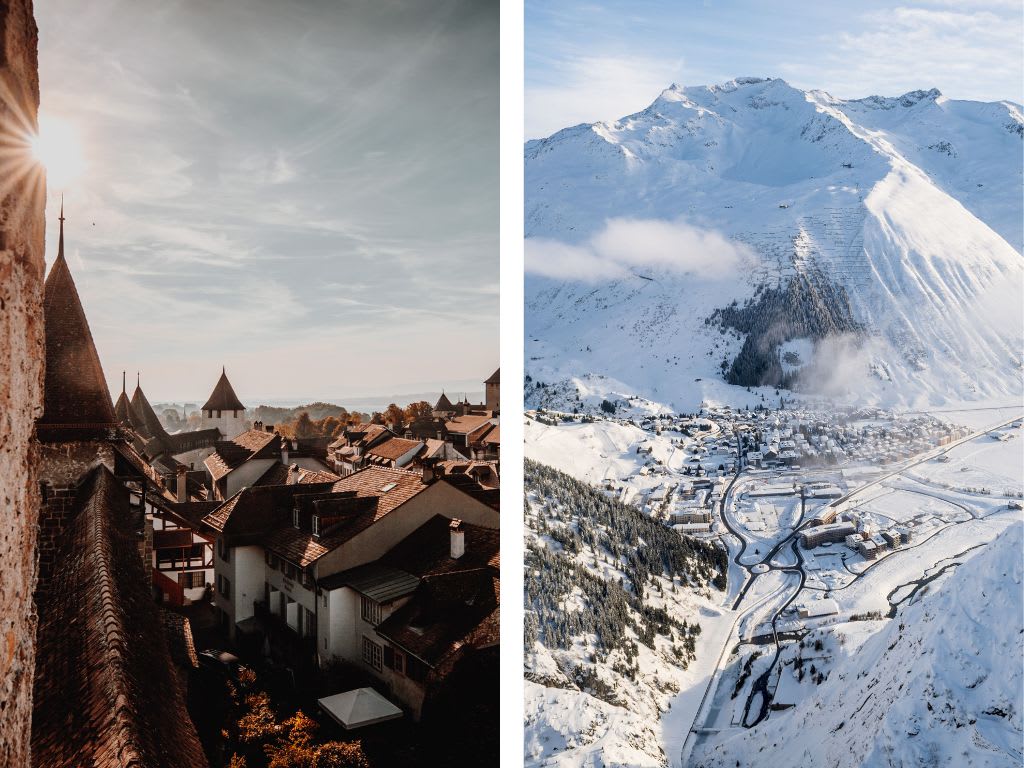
(590, 61)
(251, 164)
(626, 245)
(966, 48)
(592, 88)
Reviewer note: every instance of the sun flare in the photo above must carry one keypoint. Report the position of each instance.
(58, 148)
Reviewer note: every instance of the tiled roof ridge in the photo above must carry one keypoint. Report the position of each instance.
(99, 540)
(99, 640)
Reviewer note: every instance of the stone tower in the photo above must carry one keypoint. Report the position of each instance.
(492, 392)
(224, 410)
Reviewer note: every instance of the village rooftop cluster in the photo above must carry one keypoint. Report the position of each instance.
(377, 550)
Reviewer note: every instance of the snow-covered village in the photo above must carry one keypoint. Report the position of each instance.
(832, 518)
(773, 391)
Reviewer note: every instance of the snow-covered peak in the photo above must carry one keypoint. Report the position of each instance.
(907, 100)
(911, 205)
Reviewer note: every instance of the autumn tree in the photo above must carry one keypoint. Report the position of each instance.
(394, 415)
(304, 426)
(420, 410)
(297, 748)
(339, 754)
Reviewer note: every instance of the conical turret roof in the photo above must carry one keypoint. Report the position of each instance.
(150, 424)
(76, 400)
(223, 397)
(124, 411)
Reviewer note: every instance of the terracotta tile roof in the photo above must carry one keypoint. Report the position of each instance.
(317, 476)
(463, 425)
(76, 400)
(427, 550)
(447, 612)
(373, 480)
(393, 448)
(106, 693)
(259, 442)
(254, 511)
(495, 377)
(493, 437)
(432, 448)
(223, 397)
(278, 475)
(341, 518)
(231, 454)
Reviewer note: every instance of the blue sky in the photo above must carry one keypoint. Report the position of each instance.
(588, 61)
(304, 192)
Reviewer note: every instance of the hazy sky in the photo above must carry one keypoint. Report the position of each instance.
(305, 192)
(588, 61)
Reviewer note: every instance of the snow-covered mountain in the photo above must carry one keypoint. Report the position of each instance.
(939, 685)
(872, 247)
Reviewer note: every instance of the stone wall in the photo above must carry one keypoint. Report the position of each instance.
(21, 376)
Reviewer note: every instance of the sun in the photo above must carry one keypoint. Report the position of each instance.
(58, 149)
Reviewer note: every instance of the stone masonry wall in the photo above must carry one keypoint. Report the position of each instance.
(21, 374)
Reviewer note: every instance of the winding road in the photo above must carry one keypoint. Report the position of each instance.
(759, 688)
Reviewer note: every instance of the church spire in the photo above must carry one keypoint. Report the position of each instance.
(60, 246)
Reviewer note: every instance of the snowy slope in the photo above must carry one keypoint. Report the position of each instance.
(939, 685)
(911, 207)
(610, 646)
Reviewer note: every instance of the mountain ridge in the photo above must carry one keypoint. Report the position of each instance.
(910, 205)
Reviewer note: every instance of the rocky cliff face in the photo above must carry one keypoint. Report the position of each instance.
(21, 372)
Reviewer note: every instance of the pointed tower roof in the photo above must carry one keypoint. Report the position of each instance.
(123, 409)
(76, 401)
(223, 397)
(495, 377)
(443, 403)
(150, 425)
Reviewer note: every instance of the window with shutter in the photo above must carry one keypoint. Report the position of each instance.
(372, 653)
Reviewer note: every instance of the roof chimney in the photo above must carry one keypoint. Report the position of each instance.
(458, 537)
(293, 474)
(182, 488)
(428, 473)
(285, 445)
